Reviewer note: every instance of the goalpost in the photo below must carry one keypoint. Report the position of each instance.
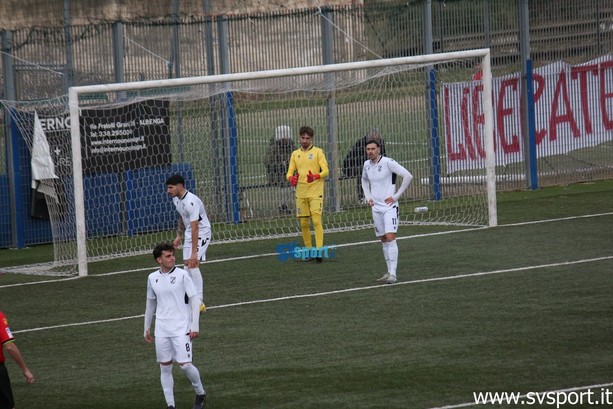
(108, 196)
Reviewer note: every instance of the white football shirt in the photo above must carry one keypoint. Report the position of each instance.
(191, 208)
(172, 314)
(379, 181)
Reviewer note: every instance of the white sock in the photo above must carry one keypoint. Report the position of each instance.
(193, 375)
(198, 282)
(386, 254)
(168, 384)
(392, 252)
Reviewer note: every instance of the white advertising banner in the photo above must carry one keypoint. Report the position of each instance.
(573, 107)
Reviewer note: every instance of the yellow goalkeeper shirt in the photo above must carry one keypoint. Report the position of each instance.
(302, 161)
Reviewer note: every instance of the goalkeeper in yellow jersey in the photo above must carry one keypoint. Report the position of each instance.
(307, 169)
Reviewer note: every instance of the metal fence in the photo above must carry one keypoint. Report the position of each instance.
(43, 62)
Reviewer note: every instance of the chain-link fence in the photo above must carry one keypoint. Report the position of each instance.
(39, 63)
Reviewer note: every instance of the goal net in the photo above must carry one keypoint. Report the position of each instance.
(105, 151)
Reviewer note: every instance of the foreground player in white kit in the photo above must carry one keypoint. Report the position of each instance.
(172, 297)
(379, 185)
(194, 221)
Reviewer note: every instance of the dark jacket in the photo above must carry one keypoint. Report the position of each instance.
(277, 160)
(352, 165)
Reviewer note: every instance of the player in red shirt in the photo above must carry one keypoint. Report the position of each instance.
(8, 342)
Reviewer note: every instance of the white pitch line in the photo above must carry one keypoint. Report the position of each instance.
(573, 389)
(345, 290)
(223, 260)
(78, 324)
(337, 245)
(561, 219)
(250, 256)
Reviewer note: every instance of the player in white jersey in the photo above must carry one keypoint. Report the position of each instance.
(172, 297)
(194, 221)
(379, 185)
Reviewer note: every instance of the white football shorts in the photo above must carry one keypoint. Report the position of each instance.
(203, 244)
(385, 222)
(177, 349)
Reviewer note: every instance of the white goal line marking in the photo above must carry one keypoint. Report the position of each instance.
(415, 236)
(573, 389)
(345, 290)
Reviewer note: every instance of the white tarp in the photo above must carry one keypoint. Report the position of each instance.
(43, 168)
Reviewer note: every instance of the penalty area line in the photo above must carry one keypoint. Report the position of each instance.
(342, 291)
(419, 281)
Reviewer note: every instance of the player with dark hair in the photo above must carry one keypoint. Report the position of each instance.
(8, 342)
(173, 299)
(354, 161)
(194, 221)
(307, 169)
(379, 184)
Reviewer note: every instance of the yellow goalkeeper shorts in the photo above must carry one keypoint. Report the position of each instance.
(306, 206)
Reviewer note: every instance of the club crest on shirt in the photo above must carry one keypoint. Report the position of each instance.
(172, 280)
(310, 156)
(379, 168)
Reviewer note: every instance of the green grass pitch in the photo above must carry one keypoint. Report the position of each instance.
(525, 306)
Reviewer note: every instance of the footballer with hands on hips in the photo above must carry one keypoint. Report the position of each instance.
(194, 222)
(173, 299)
(379, 185)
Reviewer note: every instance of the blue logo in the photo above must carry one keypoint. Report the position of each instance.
(287, 251)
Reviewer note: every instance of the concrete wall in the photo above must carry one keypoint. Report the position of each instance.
(16, 14)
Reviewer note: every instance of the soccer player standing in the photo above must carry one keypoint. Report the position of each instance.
(194, 221)
(379, 184)
(176, 322)
(307, 169)
(8, 342)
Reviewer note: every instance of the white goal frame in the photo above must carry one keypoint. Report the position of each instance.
(422, 60)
